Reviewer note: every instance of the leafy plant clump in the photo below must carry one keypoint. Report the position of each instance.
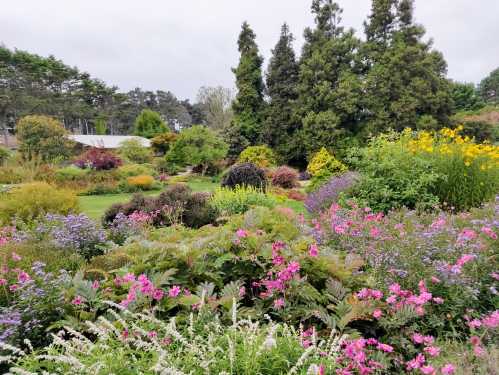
(246, 174)
(240, 199)
(322, 167)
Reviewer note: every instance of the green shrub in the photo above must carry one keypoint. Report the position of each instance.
(149, 124)
(34, 200)
(392, 176)
(261, 156)
(195, 146)
(133, 151)
(241, 199)
(161, 143)
(131, 170)
(4, 155)
(44, 138)
(246, 174)
(70, 174)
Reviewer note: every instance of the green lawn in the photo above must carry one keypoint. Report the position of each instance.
(95, 205)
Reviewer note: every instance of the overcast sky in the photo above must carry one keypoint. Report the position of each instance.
(180, 45)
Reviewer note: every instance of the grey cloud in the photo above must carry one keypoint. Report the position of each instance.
(184, 44)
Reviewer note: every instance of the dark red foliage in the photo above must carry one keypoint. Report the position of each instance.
(285, 177)
(98, 159)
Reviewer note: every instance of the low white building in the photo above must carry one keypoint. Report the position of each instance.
(106, 141)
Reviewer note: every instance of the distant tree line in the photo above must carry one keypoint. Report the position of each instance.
(31, 84)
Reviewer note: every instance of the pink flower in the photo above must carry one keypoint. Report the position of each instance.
(465, 259)
(377, 313)
(279, 303)
(125, 333)
(385, 348)
(433, 351)
(416, 362)
(467, 235)
(129, 277)
(495, 275)
(489, 232)
(157, 294)
(174, 291)
(417, 338)
(23, 277)
(438, 300)
(293, 267)
(314, 250)
(492, 320)
(241, 233)
(428, 370)
(78, 300)
(13, 287)
(242, 291)
(16, 257)
(479, 351)
(95, 284)
(435, 280)
(374, 232)
(448, 369)
(152, 334)
(395, 288)
(428, 340)
(475, 323)
(475, 340)
(3, 282)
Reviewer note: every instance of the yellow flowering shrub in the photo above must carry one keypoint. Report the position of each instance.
(469, 171)
(142, 182)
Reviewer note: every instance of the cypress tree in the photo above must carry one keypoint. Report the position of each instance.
(406, 85)
(249, 104)
(282, 78)
(329, 80)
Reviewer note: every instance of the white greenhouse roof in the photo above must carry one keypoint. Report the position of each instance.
(107, 141)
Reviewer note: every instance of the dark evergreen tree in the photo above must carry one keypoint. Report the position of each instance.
(280, 126)
(381, 23)
(406, 85)
(489, 88)
(249, 104)
(329, 80)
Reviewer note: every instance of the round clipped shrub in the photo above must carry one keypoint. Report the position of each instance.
(323, 162)
(246, 174)
(98, 159)
(285, 177)
(32, 201)
(261, 156)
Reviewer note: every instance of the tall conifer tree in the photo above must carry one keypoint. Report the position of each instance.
(282, 77)
(249, 104)
(406, 85)
(329, 80)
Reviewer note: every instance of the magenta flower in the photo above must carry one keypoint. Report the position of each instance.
(448, 369)
(385, 348)
(489, 232)
(3, 282)
(314, 250)
(377, 313)
(279, 303)
(428, 370)
(78, 300)
(16, 257)
(95, 284)
(433, 351)
(241, 233)
(242, 291)
(157, 294)
(174, 291)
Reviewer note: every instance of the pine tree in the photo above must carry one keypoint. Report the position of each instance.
(406, 85)
(249, 104)
(282, 78)
(329, 80)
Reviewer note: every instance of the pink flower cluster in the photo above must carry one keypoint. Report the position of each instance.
(399, 298)
(141, 284)
(355, 356)
(488, 321)
(458, 266)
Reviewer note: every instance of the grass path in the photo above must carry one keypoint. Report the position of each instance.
(95, 205)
